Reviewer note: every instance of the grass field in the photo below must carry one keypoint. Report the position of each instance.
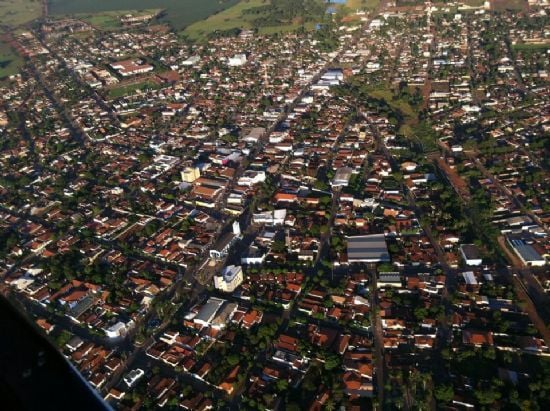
(228, 19)
(233, 18)
(531, 47)
(503, 5)
(131, 88)
(109, 20)
(362, 4)
(178, 13)
(474, 3)
(397, 104)
(16, 12)
(10, 61)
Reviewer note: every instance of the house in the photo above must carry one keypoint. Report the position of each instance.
(133, 376)
(477, 338)
(251, 318)
(356, 385)
(254, 135)
(389, 279)
(251, 177)
(118, 329)
(45, 325)
(228, 385)
(470, 279)
(254, 255)
(470, 254)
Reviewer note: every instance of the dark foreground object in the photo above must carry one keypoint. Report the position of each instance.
(33, 374)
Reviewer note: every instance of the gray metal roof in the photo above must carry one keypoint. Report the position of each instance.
(368, 248)
(208, 310)
(83, 305)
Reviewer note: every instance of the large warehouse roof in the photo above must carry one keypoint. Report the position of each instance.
(368, 249)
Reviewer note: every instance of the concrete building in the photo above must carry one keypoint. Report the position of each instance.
(237, 60)
(229, 279)
(276, 217)
(190, 174)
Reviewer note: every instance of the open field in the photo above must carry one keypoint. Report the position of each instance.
(474, 3)
(531, 47)
(362, 4)
(178, 13)
(397, 104)
(236, 17)
(503, 5)
(228, 19)
(16, 12)
(10, 61)
(128, 89)
(111, 19)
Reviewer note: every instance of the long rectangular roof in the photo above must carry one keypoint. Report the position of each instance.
(368, 248)
(208, 310)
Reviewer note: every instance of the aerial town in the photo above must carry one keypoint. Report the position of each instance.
(352, 217)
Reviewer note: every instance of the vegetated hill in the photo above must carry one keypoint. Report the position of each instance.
(280, 12)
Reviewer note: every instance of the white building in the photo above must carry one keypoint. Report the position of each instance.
(237, 60)
(470, 254)
(190, 174)
(342, 177)
(191, 61)
(133, 376)
(251, 177)
(254, 255)
(276, 217)
(118, 329)
(229, 279)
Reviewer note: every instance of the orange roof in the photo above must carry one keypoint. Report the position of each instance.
(285, 197)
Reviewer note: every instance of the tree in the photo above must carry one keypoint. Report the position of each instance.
(282, 385)
(233, 359)
(487, 396)
(332, 362)
(444, 393)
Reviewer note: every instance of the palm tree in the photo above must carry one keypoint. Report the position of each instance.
(330, 405)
